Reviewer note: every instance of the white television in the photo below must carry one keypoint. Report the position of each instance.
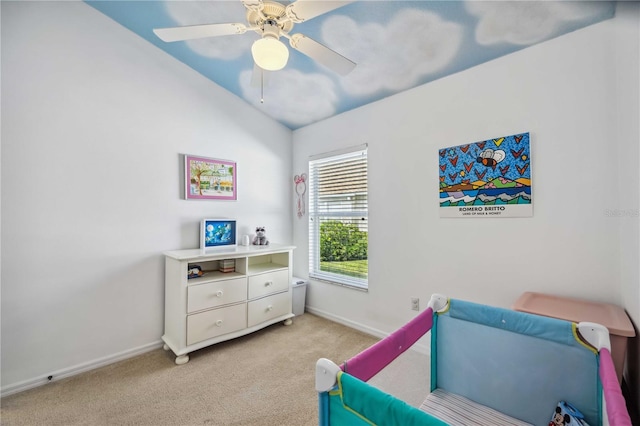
(217, 233)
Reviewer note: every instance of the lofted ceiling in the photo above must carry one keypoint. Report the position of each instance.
(397, 45)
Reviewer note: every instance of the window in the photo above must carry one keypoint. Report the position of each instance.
(338, 217)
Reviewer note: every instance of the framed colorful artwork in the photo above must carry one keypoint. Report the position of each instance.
(490, 178)
(209, 179)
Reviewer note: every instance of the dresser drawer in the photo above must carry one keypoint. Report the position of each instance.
(267, 283)
(217, 293)
(216, 322)
(264, 309)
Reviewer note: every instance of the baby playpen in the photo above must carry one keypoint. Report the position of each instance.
(489, 366)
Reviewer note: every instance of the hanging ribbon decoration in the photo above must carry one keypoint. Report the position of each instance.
(301, 189)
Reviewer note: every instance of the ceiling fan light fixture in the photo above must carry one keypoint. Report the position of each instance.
(270, 54)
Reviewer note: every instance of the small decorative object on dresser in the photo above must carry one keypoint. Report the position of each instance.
(195, 271)
(243, 289)
(261, 237)
(227, 265)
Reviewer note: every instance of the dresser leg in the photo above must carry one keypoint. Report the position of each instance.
(288, 321)
(165, 347)
(182, 359)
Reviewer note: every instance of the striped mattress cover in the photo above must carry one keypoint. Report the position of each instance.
(459, 411)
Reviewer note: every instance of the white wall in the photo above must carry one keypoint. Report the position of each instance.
(564, 93)
(627, 79)
(94, 119)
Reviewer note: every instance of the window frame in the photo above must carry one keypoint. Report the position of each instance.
(317, 215)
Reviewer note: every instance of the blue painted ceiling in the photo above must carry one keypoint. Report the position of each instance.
(397, 45)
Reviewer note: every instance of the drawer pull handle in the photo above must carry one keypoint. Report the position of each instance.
(268, 283)
(219, 323)
(219, 293)
(270, 308)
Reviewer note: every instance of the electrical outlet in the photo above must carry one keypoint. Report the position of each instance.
(415, 304)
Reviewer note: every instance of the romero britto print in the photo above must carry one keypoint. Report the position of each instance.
(491, 178)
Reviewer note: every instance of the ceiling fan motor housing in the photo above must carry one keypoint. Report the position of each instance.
(270, 13)
(270, 29)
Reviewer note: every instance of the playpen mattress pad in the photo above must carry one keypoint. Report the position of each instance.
(460, 411)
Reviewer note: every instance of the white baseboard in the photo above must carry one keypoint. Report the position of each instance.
(80, 368)
(101, 362)
(420, 348)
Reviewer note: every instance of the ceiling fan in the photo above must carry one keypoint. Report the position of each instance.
(272, 20)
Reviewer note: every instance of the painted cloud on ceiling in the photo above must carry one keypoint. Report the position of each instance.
(388, 57)
(396, 44)
(292, 96)
(529, 22)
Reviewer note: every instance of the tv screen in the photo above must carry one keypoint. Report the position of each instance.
(217, 233)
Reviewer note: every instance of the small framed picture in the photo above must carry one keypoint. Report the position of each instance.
(209, 179)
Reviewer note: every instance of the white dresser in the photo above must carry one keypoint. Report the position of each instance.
(219, 306)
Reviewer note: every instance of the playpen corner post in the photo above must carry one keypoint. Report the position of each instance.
(616, 409)
(434, 358)
(326, 374)
(439, 303)
(597, 336)
(323, 409)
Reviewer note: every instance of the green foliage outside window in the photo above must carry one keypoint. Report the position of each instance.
(342, 242)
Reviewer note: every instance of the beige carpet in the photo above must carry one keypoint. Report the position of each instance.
(265, 378)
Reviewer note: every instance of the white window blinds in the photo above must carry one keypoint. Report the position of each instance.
(338, 217)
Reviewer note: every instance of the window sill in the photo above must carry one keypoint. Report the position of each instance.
(340, 284)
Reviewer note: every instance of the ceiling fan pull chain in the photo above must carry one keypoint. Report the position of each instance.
(261, 86)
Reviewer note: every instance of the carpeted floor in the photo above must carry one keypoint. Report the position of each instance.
(265, 378)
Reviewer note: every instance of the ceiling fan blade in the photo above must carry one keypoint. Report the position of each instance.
(255, 5)
(322, 54)
(199, 31)
(303, 10)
